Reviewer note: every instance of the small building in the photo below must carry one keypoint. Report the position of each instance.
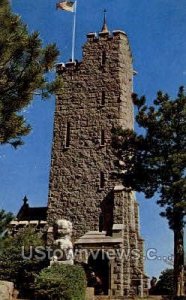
(35, 217)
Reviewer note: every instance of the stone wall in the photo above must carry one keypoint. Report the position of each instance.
(96, 97)
(6, 290)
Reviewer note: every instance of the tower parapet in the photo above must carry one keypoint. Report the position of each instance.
(107, 62)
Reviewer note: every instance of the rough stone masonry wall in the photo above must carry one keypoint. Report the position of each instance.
(75, 192)
(95, 98)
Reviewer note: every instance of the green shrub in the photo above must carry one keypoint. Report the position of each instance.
(61, 282)
(5, 219)
(14, 267)
(165, 284)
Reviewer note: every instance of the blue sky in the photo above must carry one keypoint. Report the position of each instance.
(157, 31)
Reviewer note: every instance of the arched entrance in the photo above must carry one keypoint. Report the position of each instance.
(100, 275)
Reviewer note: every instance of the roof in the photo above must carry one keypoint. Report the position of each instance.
(27, 213)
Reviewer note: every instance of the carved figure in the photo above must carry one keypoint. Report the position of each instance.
(63, 247)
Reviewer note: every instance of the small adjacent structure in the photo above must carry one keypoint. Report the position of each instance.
(35, 217)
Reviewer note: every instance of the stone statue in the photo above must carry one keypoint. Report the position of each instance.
(63, 247)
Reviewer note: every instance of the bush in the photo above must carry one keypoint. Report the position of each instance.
(13, 266)
(165, 284)
(5, 219)
(61, 282)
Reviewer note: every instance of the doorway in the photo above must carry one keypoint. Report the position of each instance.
(99, 264)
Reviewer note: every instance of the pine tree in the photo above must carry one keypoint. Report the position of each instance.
(5, 219)
(154, 162)
(23, 67)
(165, 284)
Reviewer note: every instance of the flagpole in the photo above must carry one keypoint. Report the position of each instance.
(74, 32)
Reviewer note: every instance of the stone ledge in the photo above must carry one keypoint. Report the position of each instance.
(119, 188)
(96, 237)
(116, 32)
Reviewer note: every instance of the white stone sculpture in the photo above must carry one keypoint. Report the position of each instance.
(63, 252)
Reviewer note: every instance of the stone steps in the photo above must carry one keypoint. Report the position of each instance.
(105, 297)
(112, 298)
(127, 298)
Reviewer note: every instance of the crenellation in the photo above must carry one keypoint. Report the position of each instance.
(104, 35)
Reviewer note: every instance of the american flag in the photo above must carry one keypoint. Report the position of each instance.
(66, 5)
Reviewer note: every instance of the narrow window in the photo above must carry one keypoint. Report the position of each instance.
(119, 98)
(102, 142)
(103, 98)
(67, 141)
(102, 180)
(101, 222)
(103, 58)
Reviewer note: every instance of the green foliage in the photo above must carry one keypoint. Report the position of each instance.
(61, 282)
(23, 67)
(5, 219)
(165, 284)
(14, 267)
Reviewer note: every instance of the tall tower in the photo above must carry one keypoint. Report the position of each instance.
(96, 97)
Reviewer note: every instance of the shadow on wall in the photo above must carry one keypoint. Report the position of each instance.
(106, 216)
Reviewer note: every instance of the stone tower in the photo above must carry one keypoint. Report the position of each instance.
(96, 97)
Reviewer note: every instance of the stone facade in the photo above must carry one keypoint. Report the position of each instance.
(96, 97)
(76, 189)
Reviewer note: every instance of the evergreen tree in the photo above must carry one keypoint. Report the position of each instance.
(5, 219)
(23, 67)
(154, 162)
(165, 284)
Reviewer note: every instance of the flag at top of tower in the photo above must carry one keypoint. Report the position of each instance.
(66, 5)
